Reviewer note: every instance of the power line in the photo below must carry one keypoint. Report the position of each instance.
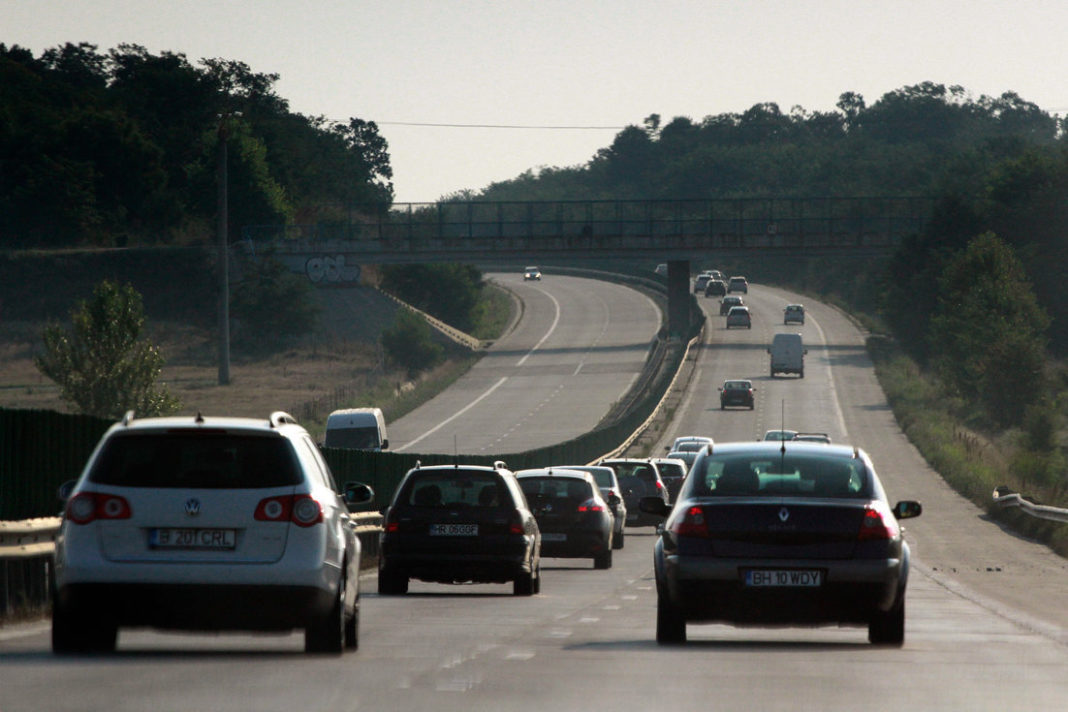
(501, 126)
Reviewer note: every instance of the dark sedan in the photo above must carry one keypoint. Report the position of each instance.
(737, 392)
(606, 479)
(638, 478)
(782, 533)
(458, 524)
(574, 520)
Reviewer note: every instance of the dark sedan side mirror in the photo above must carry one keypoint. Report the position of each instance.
(907, 509)
(613, 500)
(654, 505)
(358, 493)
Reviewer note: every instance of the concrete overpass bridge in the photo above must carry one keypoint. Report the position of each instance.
(671, 231)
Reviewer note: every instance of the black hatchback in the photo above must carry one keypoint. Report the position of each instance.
(459, 524)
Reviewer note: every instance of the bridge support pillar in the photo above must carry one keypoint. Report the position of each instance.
(678, 277)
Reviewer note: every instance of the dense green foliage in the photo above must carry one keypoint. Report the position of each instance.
(409, 344)
(100, 365)
(450, 292)
(271, 305)
(121, 148)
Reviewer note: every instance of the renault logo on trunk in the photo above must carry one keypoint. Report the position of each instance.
(784, 514)
(192, 507)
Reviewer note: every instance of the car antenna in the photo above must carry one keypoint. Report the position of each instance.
(782, 427)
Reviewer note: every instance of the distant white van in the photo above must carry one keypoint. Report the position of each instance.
(357, 429)
(787, 354)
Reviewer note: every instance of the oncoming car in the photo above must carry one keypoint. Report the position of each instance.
(217, 524)
(531, 273)
(459, 524)
(782, 533)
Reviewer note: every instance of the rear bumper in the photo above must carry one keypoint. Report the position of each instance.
(476, 568)
(198, 607)
(579, 544)
(715, 590)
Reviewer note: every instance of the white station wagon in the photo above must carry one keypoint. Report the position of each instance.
(207, 524)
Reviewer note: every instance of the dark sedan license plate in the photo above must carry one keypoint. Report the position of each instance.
(185, 538)
(453, 530)
(772, 578)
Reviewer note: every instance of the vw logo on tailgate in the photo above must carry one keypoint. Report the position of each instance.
(192, 507)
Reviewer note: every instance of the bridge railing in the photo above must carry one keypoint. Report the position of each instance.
(744, 222)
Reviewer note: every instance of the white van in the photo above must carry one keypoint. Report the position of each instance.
(787, 354)
(356, 428)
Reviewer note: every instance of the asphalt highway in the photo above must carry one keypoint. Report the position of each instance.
(986, 626)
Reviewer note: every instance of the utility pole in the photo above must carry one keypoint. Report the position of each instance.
(222, 178)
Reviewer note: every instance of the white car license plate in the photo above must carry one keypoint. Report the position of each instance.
(453, 530)
(185, 538)
(769, 578)
(552, 536)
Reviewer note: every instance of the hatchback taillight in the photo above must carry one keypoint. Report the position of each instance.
(591, 505)
(86, 507)
(301, 509)
(878, 523)
(515, 525)
(692, 523)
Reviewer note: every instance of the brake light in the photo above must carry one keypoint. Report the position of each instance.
(302, 510)
(692, 523)
(591, 505)
(86, 507)
(516, 525)
(878, 524)
(659, 486)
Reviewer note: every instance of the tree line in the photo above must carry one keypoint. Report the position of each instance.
(120, 148)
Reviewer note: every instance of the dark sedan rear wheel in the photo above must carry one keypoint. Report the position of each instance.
(603, 560)
(888, 628)
(524, 584)
(617, 540)
(392, 583)
(670, 623)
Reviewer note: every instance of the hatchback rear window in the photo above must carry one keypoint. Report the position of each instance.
(793, 476)
(196, 459)
(454, 488)
(543, 488)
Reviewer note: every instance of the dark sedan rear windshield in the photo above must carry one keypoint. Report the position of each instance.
(196, 459)
(791, 476)
(452, 488)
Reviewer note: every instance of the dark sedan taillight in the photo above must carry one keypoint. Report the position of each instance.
(691, 523)
(591, 505)
(878, 524)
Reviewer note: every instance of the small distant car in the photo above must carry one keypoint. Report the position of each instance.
(812, 438)
(613, 494)
(738, 284)
(715, 288)
(779, 435)
(700, 282)
(782, 534)
(793, 314)
(638, 478)
(737, 392)
(207, 524)
(459, 524)
(739, 316)
(531, 273)
(574, 520)
(672, 472)
(727, 302)
(689, 442)
(687, 456)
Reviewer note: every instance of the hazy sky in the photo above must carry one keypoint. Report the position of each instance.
(570, 63)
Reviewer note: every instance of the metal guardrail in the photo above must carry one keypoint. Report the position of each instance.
(1004, 498)
(453, 333)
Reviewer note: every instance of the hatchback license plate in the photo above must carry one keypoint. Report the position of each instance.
(184, 538)
(453, 530)
(765, 578)
(552, 536)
